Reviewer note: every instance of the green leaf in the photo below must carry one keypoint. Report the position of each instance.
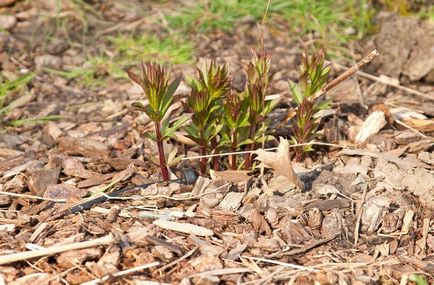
(151, 136)
(168, 96)
(296, 93)
(269, 106)
(169, 132)
(19, 102)
(217, 129)
(174, 85)
(308, 148)
(293, 140)
(151, 114)
(12, 85)
(243, 120)
(245, 142)
(322, 106)
(418, 279)
(139, 105)
(33, 121)
(192, 132)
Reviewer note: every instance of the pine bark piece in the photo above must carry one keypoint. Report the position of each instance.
(40, 179)
(232, 200)
(95, 180)
(64, 191)
(74, 167)
(83, 146)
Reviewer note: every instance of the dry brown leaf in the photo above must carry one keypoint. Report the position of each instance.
(280, 162)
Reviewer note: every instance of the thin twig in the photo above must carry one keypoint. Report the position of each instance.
(32, 197)
(263, 23)
(168, 197)
(350, 71)
(268, 149)
(397, 86)
(303, 249)
(410, 128)
(290, 265)
(268, 277)
(223, 271)
(122, 273)
(5, 259)
(188, 254)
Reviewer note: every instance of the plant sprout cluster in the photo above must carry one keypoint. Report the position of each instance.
(221, 119)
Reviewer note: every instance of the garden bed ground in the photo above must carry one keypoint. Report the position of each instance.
(365, 215)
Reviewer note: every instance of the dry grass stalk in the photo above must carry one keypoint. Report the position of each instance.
(388, 83)
(5, 259)
(123, 273)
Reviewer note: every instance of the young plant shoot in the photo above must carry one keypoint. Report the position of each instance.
(313, 77)
(236, 119)
(257, 84)
(158, 91)
(205, 102)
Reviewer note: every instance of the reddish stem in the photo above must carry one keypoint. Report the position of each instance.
(163, 164)
(248, 160)
(215, 159)
(203, 160)
(298, 155)
(233, 157)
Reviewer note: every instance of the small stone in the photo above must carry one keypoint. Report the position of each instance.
(47, 60)
(57, 47)
(7, 22)
(350, 31)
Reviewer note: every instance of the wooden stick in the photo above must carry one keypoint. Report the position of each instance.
(397, 86)
(5, 259)
(347, 73)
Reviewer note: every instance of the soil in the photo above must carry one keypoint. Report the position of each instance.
(364, 215)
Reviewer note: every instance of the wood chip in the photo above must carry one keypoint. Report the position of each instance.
(83, 146)
(184, 228)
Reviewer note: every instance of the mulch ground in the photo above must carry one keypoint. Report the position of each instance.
(365, 215)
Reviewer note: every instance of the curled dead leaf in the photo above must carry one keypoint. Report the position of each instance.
(280, 162)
